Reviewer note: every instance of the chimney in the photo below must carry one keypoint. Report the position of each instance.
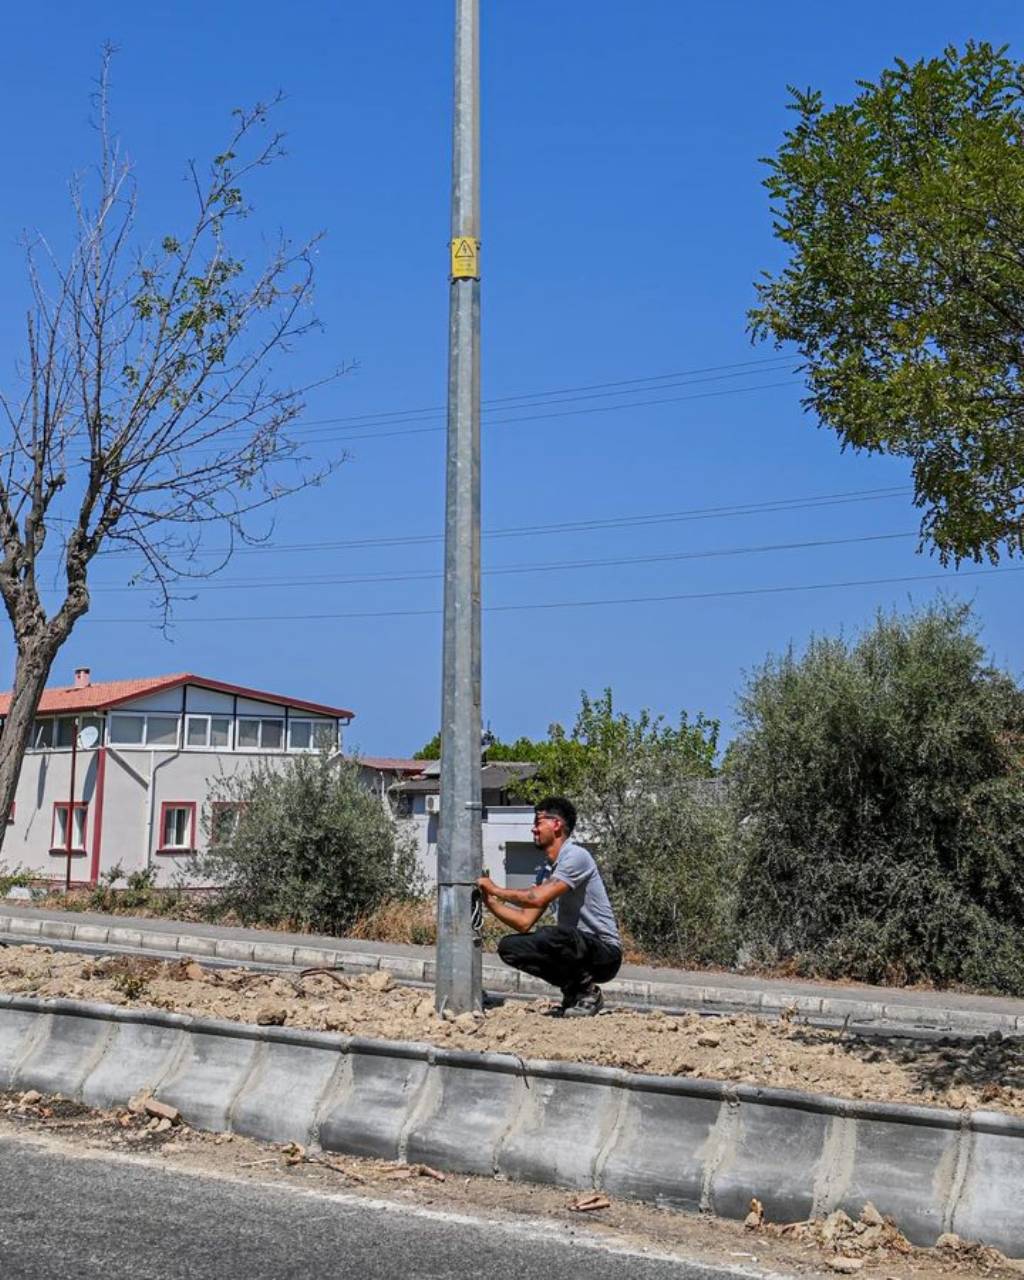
(82, 680)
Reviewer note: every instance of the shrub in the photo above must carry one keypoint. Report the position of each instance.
(311, 847)
(664, 844)
(882, 784)
(13, 879)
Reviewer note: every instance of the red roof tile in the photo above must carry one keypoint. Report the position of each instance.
(393, 764)
(111, 693)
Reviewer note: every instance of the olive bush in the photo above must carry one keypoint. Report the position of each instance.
(649, 809)
(308, 846)
(881, 787)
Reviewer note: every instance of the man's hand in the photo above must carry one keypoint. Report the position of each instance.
(487, 886)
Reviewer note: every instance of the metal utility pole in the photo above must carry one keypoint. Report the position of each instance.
(459, 850)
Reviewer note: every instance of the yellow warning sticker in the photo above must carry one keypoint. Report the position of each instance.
(465, 258)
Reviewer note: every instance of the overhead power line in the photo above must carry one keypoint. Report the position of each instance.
(426, 575)
(640, 520)
(541, 399)
(388, 432)
(304, 435)
(744, 368)
(573, 604)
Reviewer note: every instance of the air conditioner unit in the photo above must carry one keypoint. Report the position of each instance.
(433, 804)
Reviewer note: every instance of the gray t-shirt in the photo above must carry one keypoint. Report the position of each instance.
(585, 906)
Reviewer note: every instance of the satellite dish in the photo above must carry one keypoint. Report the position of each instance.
(88, 737)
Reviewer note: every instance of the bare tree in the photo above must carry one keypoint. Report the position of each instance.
(145, 411)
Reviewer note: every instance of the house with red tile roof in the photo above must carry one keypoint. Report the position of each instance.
(120, 772)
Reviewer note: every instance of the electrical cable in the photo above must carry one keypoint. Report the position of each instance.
(369, 579)
(293, 618)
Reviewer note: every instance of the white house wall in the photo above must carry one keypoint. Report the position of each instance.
(502, 826)
(45, 780)
(136, 783)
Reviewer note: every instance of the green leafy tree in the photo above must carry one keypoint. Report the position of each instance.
(308, 845)
(881, 782)
(903, 216)
(649, 809)
(641, 787)
(430, 750)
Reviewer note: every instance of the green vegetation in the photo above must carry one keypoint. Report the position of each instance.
(13, 879)
(903, 215)
(309, 847)
(882, 785)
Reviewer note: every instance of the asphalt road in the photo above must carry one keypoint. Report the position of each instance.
(101, 1218)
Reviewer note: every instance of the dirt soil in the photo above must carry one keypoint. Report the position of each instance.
(829, 1246)
(988, 1072)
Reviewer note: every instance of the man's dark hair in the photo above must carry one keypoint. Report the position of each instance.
(558, 807)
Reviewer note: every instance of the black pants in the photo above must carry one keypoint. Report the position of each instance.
(566, 958)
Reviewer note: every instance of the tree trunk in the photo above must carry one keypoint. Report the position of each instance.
(35, 658)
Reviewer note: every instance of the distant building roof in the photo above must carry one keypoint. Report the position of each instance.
(392, 764)
(493, 777)
(111, 693)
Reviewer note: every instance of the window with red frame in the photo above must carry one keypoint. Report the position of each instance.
(59, 832)
(177, 826)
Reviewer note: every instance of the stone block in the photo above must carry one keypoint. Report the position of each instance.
(26, 928)
(232, 949)
(65, 1055)
(840, 1010)
(499, 977)
(153, 941)
(733, 999)
(273, 953)
(20, 1029)
(657, 1154)
(281, 1097)
(404, 968)
(990, 1207)
(315, 958)
(63, 930)
(469, 1109)
(917, 1015)
(975, 1023)
(632, 990)
(903, 1161)
(192, 944)
(777, 1001)
(357, 962)
(773, 1156)
(119, 937)
(95, 934)
(373, 1104)
(211, 1070)
(137, 1057)
(561, 1127)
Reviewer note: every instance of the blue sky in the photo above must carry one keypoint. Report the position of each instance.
(623, 226)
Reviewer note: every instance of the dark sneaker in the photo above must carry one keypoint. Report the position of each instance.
(588, 1003)
(569, 995)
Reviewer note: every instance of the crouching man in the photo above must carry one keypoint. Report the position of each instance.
(583, 948)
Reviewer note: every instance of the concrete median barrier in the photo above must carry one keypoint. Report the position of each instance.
(684, 1143)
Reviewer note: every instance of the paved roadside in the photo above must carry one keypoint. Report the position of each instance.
(859, 1006)
(218, 1228)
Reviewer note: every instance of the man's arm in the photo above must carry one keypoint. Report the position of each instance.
(539, 896)
(519, 918)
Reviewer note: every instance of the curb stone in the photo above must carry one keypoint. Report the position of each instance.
(866, 1016)
(684, 1143)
